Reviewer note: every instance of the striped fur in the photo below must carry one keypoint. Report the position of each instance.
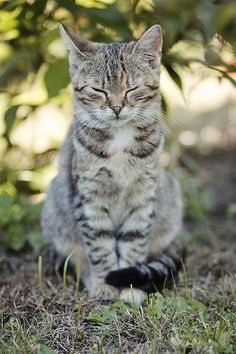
(111, 202)
(153, 276)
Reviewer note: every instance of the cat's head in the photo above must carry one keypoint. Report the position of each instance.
(115, 83)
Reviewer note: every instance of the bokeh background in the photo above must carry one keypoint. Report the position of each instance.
(198, 89)
(43, 312)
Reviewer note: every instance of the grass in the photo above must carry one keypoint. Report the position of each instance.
(43, 314)
(170, 323)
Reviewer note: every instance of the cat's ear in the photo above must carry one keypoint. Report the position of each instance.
(150, 45)
(78, 47)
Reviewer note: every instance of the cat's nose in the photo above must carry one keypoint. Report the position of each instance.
(116, 109)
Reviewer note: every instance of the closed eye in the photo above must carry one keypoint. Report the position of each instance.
(130, 90)
(99, 90)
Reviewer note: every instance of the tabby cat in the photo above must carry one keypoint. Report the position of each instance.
(111, 202)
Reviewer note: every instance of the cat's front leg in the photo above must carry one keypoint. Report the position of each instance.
(133, 246)
(102, 259)
(133, 238)
(99, 243)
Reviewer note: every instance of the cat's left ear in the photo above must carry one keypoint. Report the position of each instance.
(150, 46)
(78, 47)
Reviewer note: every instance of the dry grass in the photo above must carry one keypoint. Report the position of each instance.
(198, 316)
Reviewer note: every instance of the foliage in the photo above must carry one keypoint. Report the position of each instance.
(34, 73)
(32, 49)
(196, 199)
(19, 223)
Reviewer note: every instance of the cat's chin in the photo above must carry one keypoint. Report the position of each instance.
(120, 122)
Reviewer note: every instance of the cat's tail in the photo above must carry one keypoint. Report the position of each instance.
(150, 277)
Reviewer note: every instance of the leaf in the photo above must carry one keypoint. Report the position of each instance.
(70, 5)
(106, 315)
(38, 7)
(108, 17)
(44, 349)
(10, 118)
(57, 77)
(224, 339)
(100, 318)
(174, 76)
(197, 305)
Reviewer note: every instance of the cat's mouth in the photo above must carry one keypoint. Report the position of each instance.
(120, 120)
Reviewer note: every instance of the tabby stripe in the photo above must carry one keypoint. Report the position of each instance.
(91, 148)
(144, 98)
(79, 89)
(148, 98)
(102, 234)
(144, 152)
(152, 88)
(95, 262)
(87, 226)
(85, 101)
(122, 64)
(151, 277)
(145, 135)
(159, 267)
(146, 128)
(129, 236)
(94, 133)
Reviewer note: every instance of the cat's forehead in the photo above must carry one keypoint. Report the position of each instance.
(114, 68)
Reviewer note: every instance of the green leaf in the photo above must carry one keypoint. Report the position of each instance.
(106, 315)
(44, 349)
(100, 318)
(10, 118)
(57, 77)
(38, 7)
(197, 305)
(70, 5)
(224, 339)
(174, 76)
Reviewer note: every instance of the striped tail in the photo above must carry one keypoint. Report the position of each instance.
(151, 277)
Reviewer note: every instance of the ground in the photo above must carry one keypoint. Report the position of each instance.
(43, 313)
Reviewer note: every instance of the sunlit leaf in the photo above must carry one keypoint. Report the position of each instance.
(57, 77)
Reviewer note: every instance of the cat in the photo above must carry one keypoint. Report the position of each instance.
(112, 203)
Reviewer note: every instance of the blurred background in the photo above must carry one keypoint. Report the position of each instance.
(199, 102)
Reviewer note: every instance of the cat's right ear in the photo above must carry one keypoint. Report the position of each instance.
(78, 48)
(150, 46)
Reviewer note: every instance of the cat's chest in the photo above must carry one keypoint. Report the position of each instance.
(122, 138)
(120, 161)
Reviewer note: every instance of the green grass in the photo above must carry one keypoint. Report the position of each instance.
(43, 314)
(199, 317)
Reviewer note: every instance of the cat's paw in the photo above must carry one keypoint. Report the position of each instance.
(132, 295)
(104, 292)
